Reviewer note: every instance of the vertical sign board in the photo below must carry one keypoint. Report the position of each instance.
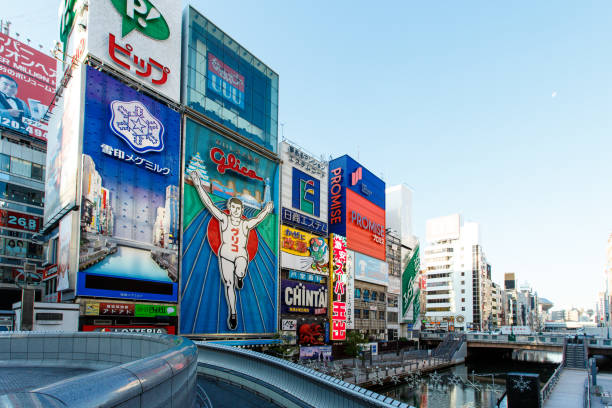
(350, 290)
(229, 282)
(304, 190)
(129, 186)
(140, 38)
(64, 138)
(410, 289)
(27, 87)
(67, 252)
(337, 282)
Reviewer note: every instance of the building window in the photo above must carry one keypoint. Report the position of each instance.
(5, 162)
(382, 296)
(366, 295)
(374, 296)
(463, 308)
(357, 293)
(366, 314)
(381, 315)
(463, 300)
(463, 282)
(462, 273)
(357, 313)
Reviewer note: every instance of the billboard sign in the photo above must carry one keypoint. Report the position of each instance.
(302, 251)
(140, 38)
(228, 84)
(23, 222)
(305, 276)
(350, 289)
(357, 206)
(300, 297)
(129, 309)
(319, 353)
(337, 283)
(304, 189)
(230, 237)
(410, 288)
(371, 270)
(289, 324)
(130, 199)
(131, 329)
(27, 87)
(311, 333)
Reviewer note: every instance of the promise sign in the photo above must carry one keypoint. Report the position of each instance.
(337, 281)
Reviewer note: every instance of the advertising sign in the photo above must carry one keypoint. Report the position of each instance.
(23, 222)
(319, 353)
(66, 264)
(304, 222)
(371, 270)
(337, 282)
(129, 205)
(410, 288)
(128, 309)
(298, 297)
(131, 329)
(230, 237)
(228, 84)
(304, 189)
(140, 38)
(305, 276)
(302, 251)
(357, 207)
(27, 87)
(64, 138)
(350, 289)
(289, 324)
(311, 333)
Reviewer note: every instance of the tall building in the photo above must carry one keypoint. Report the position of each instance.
(27, 87)
(459, 288)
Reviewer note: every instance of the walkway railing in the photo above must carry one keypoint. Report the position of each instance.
(284, 382)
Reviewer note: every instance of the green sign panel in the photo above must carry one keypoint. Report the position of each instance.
(154, 310)
(410, 289)
(67, 19)
(142, 16)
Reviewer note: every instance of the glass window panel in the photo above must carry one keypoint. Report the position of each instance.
(5, 162)
(21, 167)
(37, 171)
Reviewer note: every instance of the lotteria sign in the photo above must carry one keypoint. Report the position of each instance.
(357, 206)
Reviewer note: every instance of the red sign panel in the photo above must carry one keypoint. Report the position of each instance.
(131, 329)
(338, 287)
(116, 309)
(27, 87)
(365, 226)
(19, 221)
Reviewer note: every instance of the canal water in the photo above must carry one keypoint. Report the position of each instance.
(479, 383)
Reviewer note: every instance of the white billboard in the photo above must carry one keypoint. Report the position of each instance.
(443, 228)
(303, 190)
(139, 38)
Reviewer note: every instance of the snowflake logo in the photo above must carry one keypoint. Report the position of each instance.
(136, 126)
(435, 378)
(454, 380)
(521, 384)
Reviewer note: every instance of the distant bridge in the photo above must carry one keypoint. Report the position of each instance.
(539, 342)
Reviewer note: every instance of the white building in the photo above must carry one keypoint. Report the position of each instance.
(400, 244)
(459, 288)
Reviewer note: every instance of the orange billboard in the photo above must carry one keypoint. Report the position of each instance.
(365, 226)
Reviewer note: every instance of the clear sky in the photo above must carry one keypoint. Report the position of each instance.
(500, 111)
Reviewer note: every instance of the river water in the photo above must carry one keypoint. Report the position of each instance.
(479, 383)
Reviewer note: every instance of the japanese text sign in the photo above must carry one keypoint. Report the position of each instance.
(337, 281)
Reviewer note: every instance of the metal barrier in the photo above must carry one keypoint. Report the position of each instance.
(145, 370)
(286, 383)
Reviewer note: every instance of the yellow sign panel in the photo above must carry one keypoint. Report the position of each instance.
(296, 242)
(92, 309)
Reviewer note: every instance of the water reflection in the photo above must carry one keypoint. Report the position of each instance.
(477, 384)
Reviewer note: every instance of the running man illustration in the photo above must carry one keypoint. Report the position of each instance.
(234, 232)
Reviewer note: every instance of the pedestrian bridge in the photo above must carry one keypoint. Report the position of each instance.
(542, 342)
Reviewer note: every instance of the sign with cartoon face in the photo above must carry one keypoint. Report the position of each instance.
(140, 38)
(302, 251)
(304, 190)
(230, 237)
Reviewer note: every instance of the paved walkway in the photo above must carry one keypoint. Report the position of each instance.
(569, 391)
(15, 379)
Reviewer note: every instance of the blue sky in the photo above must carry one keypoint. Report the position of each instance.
(498, 111)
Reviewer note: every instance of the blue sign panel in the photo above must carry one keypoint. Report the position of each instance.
(130, 195)
(306, 193)
(305, 276)
(304, 222)
(359, 179)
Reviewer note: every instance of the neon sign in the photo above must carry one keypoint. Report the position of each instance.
(230, 162)
(335, 190)
(338, 281)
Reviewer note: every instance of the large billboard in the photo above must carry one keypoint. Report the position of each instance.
(130, 197)
(229, 279)
(410, 289)
(303, 298)
(370, 269)
(228, 84)
(301, 251)
(304, 190)
(357, 206)
(337, 285)
(64, 138)
(27, 87)
(140, 38)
